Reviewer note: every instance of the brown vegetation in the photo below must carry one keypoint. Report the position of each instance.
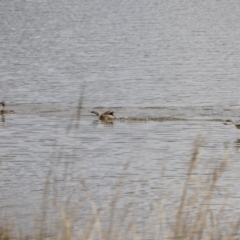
(194, 215)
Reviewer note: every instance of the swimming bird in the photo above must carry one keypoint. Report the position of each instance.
(2, 110)
(229, 121)
(106, 116)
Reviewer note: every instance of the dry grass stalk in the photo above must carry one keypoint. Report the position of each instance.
(5, 233)
(193, 218)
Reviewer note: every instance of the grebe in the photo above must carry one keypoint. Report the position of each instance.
(229, 121)
(106, 116)
(2, 110)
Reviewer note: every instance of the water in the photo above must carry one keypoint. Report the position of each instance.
(170, 70)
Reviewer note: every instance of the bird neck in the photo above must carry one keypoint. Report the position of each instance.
(96, 113)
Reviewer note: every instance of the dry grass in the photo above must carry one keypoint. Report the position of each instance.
(194, 215)
(5, 233)
(191, 218)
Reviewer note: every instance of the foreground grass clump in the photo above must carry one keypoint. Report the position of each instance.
(193, 216)
(186, 212)
(5, 233)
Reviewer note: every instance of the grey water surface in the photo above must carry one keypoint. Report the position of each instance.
(169, 69)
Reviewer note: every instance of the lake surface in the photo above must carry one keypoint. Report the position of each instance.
(170, 70)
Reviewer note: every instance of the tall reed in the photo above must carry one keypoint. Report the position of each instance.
(192, 217)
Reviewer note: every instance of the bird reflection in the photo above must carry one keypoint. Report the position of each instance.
(96, 122)
(107, 123)
(237, 144)
(2, 117)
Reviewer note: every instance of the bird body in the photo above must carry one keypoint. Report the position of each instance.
(106, 116)
(2, 110)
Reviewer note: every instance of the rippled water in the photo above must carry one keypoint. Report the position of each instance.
(170, 70)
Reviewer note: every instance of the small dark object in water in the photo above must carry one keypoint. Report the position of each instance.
(2, 110)
(229, 121)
